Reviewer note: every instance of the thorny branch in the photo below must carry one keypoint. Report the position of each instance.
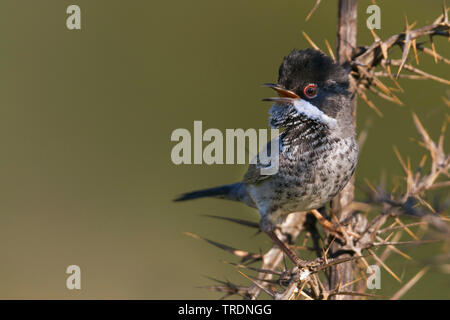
(366, 59)
(362, 236)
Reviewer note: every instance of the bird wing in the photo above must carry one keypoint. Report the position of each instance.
(253, 175)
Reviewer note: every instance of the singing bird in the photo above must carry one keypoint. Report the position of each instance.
(318, 151)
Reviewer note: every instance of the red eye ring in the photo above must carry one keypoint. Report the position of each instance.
(310, 91)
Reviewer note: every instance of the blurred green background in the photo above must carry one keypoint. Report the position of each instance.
(86, 117)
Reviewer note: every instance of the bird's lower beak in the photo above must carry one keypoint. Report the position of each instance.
(280, 100)
(285, 96)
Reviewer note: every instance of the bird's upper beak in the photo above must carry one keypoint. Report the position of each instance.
(285, 96)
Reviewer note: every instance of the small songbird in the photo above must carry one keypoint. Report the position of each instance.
(318, 149)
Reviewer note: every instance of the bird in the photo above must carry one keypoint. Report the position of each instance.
(318, 151)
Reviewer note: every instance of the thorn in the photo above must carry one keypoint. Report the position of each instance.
(426, 204)
(242, 266)
(336, 261)
(406, 48)
(406, 23)
(425, 74)
(370, 103)
(395, 243)
(246, 223)
(429, 144)
(410, 283)
(240, 253)
(402, 163)
(415, 51)
(393, 227)
(301, 289)
(374, 190)
(305, 295)
(445, 12)
(384, 96)
(385, 266)
(393, 248)
(406, 229)
(351, 282)
(443, 184)
(384, 49)
(241, 291)
(257, 284)
(218, 281)
(389, 236)
(312, 10)
(310, 41)
(386, 90)
(330, 50)
(395, 187)
(433, 48)
(352, 293)
(328, 248)
(393, 79)
(421, 165)
(443, 18)
(376, 38)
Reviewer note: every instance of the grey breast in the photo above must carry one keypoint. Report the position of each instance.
(308, 178)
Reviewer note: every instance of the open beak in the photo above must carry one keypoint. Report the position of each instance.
(285, 96)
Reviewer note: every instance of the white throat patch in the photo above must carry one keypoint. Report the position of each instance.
(309, 110)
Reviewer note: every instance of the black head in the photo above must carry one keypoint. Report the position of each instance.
(312, 81)
(303, 67)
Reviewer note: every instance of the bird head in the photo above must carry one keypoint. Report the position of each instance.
(311, 88)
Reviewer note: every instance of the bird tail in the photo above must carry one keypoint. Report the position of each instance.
(235, 192)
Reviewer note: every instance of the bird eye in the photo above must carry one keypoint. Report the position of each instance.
(310, 91)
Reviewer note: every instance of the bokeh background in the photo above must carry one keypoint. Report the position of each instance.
(85, 122)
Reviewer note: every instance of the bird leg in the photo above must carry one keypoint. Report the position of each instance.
(289, 252)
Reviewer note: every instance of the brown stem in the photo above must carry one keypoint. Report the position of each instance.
(343, 273)
(291, 254)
